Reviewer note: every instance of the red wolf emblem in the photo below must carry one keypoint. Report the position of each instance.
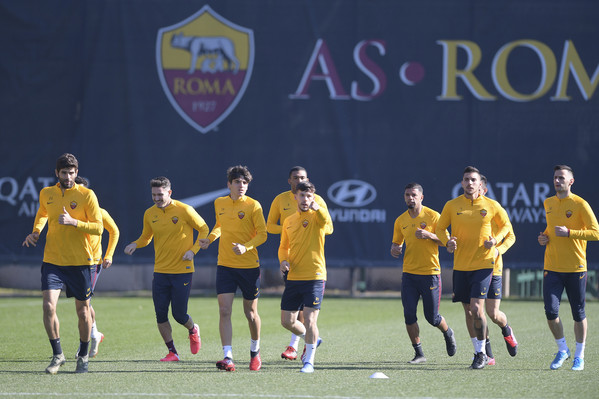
(204, 64)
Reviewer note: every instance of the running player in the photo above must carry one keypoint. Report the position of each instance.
(171, 224)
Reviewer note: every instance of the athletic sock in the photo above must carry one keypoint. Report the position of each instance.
(192, 328)
(561, 344)
(418, 349)
(56, 348)
(171, 346)
(228, 351)
(94, 333)
(479, 346)
(294, 343)
(83, 348)
(310, 351)
(255, 345)
(506, 330)
(579, 350)
(488, 348)
(473, 343)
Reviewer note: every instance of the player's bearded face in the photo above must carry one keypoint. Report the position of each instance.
(413, 198)
(66, 177)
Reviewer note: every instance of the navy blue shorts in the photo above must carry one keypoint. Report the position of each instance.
(76, 279)
(495, 288)
(171, 289)
(471, 284)
(414, 286)
(299, 294)
(228, 279)
(554, 284)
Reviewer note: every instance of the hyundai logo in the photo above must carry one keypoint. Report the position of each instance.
(352, 193)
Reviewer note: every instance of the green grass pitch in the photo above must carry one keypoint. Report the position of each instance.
(361, 337)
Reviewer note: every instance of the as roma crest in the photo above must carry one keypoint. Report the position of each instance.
(423, 225)
(73, 204)
(175, 219)
(305, 223)
(241, 214)
(483, 212)
(569, 214)
(204, 64)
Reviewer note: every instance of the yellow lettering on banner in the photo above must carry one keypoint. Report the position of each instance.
(548, 68)
(451, 72)
(179, 86)
(571, 63)
(197, 86)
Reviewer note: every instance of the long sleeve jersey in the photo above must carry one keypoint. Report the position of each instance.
(568, 254)
(113, 238)
(172, 229)
(502, 247)
(285, 205)
(68, 245)
(302, 244)
(242, 222)
(470, 222)
(420, 256)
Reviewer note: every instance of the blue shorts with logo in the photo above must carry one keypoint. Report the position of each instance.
(228, 279)
(303, 293)
(414, 286)
(495, 288)
(471, 284)
(171, 289)
(575, 285)
(76, 279)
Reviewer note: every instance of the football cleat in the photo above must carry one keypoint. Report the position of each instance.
(290, 353)
(82, 364)
(195, 342)
(560, 358)
(511, 343)
(225, 364)
(417, 360)
(171, 357)
(578, 364)
(95, 344)
(450, 344)
(308, 368)
(255, 362)
(480, 361)
(490, 361)
(57, 361)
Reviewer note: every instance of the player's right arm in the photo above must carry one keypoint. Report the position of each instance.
(284, 250)
(145, 237)
(214, 234)
(274, 215)
(443, 224)
(41, 218)
(398, 239)
(113, 237)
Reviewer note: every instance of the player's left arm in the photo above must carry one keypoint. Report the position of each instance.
(93, 225)
(590, 232)
(260, 229)
(503, 223)
(509, 239)
(113, 237)
(198, 223)
(328, 230)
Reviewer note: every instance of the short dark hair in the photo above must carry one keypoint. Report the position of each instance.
(305, 186)
(483, 180)
(82, 180)
(416, 186)
(66, 161)
(471, 169)
(238, 171)
(563, 167)
(297, 169)
(161, 181)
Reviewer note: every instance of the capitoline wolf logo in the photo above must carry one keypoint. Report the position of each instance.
(204, 64)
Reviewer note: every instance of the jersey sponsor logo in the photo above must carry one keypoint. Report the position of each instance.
(241, 214)
(204, 64)
(483, 212)
(305, 223)
(569, 214)
(423, 225)
(175, 219)
(73, 204)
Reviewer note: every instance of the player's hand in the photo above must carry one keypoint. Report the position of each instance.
(422, 234)
(66, 219)
(314, 206)
(31, 239)
(107, 263)
(284, 266)
(543, 239)
(396, 250)
(452, 245)
(188, 255)
(562, 231)
(490, 243)
(129, 249)
(204, 243)
(239, 249)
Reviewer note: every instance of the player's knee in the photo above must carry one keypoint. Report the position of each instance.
(434, 320)
(579, 315)
(551, 315)
(224, 311)
(181, 317)
(410, 319)
(161, 317)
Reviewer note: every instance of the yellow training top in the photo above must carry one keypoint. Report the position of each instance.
(68, 245)
(568, 254)
(502, 247)
(421, 256)
(172, 229)
(285, 205)
(240, 222)
(113, 238)
(470, 222)
(302, 244)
